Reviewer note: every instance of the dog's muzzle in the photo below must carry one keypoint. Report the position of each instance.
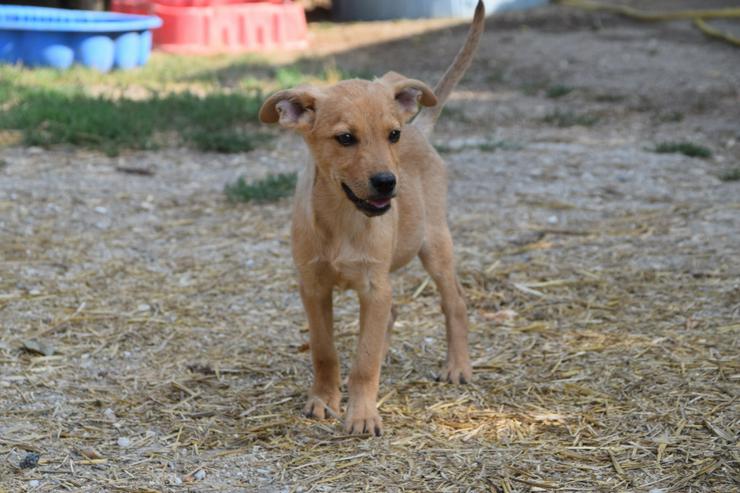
(374, 206)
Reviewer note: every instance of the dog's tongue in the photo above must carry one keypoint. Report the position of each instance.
(380, 203)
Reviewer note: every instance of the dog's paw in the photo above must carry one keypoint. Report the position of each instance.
(456, 374)
(321, 408)
(363, 423)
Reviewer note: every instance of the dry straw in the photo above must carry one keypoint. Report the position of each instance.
(184, 363)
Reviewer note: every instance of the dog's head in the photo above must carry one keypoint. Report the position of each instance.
(353, 129)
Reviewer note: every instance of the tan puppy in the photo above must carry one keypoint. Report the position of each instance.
(371, 199)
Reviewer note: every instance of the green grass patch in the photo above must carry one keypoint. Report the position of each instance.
(670, 117)
(307, 70)
(569, 119)
(289, 76)
(608, 97)
(268, 189)
(207, 103)
(731, 174)
(490, 146)
(497, 76)
(227, 140)
(211, 122)
(444, 148)
(558, 91)
(162, 70)
(534, 87)
(361, 73)
(499, 144)
(686, 148)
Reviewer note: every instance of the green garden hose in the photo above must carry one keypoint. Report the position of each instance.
(698, 16)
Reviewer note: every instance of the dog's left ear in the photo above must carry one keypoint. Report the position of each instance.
(409, 93)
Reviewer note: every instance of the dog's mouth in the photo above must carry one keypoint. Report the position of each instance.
(375, 206)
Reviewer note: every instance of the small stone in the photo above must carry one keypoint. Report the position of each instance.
(198, 475)
(30, 461)
(39, 347)
(34, 483)
(552, 220)
(101, 210)
(124, 442)
(528, 238)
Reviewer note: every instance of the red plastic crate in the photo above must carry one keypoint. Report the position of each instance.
(142, 7)
(254, 26)
(209, 3)
(147, 6)
(216, 26)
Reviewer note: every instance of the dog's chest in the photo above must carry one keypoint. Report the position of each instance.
(352, 264)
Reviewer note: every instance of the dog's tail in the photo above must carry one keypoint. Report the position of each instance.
(426, 119)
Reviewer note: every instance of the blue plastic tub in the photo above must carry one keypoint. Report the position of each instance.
(39, 36)
(352, 10)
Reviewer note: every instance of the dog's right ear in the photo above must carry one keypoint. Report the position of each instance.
(292, 108)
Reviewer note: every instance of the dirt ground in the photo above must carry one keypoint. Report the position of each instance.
(603, 282)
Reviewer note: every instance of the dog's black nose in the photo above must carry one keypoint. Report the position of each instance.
(383, 183)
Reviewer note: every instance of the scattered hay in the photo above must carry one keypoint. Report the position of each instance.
(591, 374)
(558, 91)
(268, 189)
(567, 118)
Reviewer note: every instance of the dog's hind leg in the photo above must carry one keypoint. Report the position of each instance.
(437, 256)
(317, 301)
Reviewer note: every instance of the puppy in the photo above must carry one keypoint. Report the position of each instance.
(372, 197)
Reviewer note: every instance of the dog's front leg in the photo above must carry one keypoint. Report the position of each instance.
(364, 379)
(317, 301)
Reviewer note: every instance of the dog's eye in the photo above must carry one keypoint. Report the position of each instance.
(346, 139)
(394, 136)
